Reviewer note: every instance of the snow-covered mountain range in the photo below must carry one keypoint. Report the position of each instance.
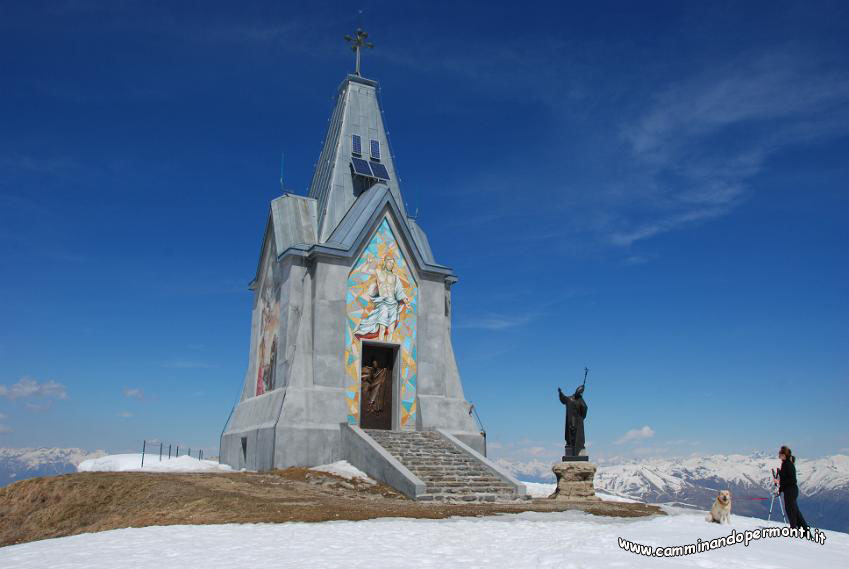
(694, 481)
(21, 463)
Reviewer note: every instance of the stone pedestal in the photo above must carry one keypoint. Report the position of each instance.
(574, 481)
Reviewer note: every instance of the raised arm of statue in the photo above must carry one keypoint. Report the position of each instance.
(370, 268)
(563, 398)
(372, 290)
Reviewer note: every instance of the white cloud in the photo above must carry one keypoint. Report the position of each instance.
(644, 432)
(187, 364)
(30, 387)
(683, 442)
(38, 407)
(5, 429)
(651, 451)
(495, 322)
(702, 138)
(637, 259)
(662, 225)
(133, 392)
(774, 87)
(125, 414)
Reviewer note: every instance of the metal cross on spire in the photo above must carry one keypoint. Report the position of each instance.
(358, 41)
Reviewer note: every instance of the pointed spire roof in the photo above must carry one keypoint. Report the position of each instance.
(336, 185)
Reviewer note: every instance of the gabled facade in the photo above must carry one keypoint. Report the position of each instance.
(351, 320)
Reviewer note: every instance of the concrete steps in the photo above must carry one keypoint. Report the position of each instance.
(449, 473)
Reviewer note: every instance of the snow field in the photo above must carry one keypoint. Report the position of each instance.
(132, 463)
(517, 541)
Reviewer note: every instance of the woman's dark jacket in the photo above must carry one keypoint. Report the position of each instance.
(787, 476)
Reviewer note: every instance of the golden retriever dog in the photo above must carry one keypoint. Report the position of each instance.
(721, 510)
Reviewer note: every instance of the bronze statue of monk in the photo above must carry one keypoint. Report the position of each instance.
(576, 412)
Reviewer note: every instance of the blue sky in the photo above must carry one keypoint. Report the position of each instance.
(657, 191)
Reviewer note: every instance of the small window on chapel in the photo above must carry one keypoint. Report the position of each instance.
(375, 149)
(356, 144)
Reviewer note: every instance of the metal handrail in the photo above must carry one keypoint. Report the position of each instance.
(473, 409)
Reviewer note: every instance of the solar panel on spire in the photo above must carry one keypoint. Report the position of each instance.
(380, 171)
(375, 149)
(356, 143)
(361, 167)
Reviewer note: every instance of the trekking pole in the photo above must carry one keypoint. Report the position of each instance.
(780, 503)
(775, 495)
(772, 495)
(783, 515)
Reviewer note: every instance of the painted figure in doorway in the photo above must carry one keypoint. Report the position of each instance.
(386, 294)
(374, 379)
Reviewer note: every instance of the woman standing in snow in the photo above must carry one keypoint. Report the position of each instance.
(787, 485)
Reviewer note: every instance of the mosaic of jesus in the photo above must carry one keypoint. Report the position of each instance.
(387, 297)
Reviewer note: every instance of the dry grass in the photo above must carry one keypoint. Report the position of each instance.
(58, 506)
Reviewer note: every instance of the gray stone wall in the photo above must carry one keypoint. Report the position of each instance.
(329, 288)
(442, 404)
(298, 423)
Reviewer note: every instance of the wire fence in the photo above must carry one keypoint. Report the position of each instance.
(158, 451)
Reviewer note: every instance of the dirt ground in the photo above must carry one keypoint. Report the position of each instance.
(71, 504)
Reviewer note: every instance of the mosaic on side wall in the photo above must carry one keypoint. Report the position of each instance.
(381, 305)
(269, 318)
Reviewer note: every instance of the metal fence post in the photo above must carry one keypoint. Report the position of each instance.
(160, 452)
(169, 451)
(178, 451)
(144, 443)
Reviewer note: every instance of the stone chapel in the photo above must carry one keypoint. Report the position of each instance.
(350, 353)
